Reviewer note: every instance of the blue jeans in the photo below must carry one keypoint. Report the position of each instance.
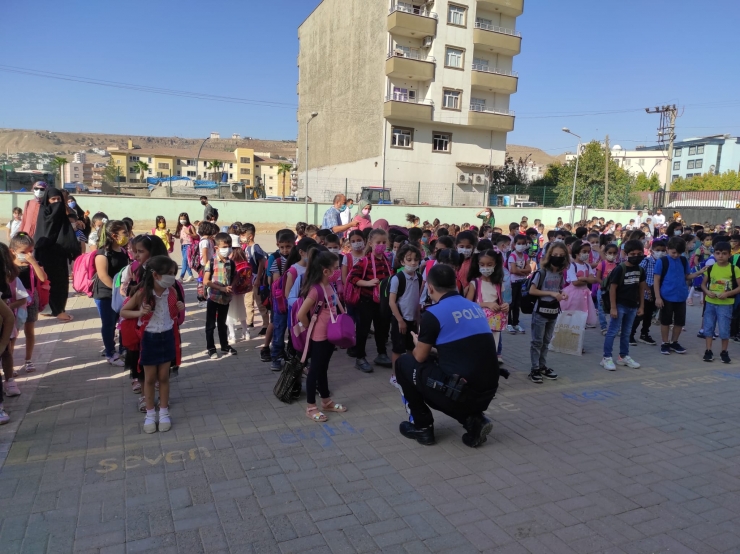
(279, 324)
(108, 321)
(625, 319)
(717, 314)
(185, 261)
(602, 315)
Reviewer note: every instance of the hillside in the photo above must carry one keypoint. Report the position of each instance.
(538, 156)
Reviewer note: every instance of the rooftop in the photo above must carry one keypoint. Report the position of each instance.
(183, 153)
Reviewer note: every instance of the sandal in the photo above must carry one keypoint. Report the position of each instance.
(317, 416)
(334, 407)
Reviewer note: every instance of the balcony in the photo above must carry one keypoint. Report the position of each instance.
(402, 108)
(410, 65)
(497, 39)
(493, 79)
(411, 22)
(490, 119)
(513, 8)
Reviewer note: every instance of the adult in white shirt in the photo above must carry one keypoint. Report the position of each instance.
(639, 219)
(658, 221)
(345, 216)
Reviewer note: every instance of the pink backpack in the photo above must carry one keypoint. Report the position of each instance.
(299, 336)
(83, 273)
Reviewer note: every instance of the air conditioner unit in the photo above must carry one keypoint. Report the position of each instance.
(463, 178)
(427, 43)
(479, 179)
(237, 188)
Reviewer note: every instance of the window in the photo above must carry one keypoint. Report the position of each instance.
(205, 164)
(441, 142)
(270, 176)
(178, 161)
(478, 104)
(231, 175)
(456, 15)
(189, 162)
(231, 166)
(243, 160)
(482, 23)
(191, 174)
(454, 58)
(690, 165)
(179, 173)
(451, 99)
(677, 152)
(77, 175)
(692, 151)
(133, 158)
(149, 171)
(641, 162)
(479, 64)
(149, 160)
(700, 149)
(244, 171)
(674, 177)
(676, 166)
(402, 137)
(698, 164)
(246, 181)
(132, 170)
(163, 166)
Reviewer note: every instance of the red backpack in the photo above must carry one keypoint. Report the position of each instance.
(242, 282)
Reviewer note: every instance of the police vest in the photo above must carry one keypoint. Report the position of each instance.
(459, 318)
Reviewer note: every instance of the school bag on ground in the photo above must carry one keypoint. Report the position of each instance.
(83, 273)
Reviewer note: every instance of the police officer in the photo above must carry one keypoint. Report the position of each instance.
(462, 378)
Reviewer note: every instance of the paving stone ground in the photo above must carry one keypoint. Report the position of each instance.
(635, 461)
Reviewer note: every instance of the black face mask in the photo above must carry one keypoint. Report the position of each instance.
(635, 260)
(557, 261)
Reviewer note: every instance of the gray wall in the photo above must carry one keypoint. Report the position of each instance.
(706, 215)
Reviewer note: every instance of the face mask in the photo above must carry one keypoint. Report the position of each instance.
(584, 257)
(559, 239)
(611, 257)
(123, 241)
(183, 222)
(305, 260)
(424, 240)
(658, 255)
(379, 249)
(203, 202)
(161, 225)
(358, 245)
(224, 252)
(38, 193)
(557, 261)
(678, 232)
(334, 277)
(20, 257)
(487, 271)
(167, 281)
(489, 235)
(72, 205)
(343, 208)
(635, 260)
(467, 252)
(334, 250)
(521, 247)
(365, 212)
(410, 269)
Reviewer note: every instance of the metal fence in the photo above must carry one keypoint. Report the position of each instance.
(697, 199)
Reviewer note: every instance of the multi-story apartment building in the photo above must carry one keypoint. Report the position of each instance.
(406, 90)
(649, 162)
(77, 172)
(695, 156)
(266, 170)
(79, 157)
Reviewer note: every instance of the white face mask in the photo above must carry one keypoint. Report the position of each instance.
(167, 281)
(358, 245)
(334, 250)
(658, 255)
(410, 269)
(20, 257)
(559, 239)
(611, 257)
(584, 257)
(183, 222)
(487, 271)
(38, 193)
(225, 252)
(467, 252)
(521, 247)
(678, 232)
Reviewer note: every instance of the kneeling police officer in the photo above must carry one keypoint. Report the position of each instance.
(462, 378)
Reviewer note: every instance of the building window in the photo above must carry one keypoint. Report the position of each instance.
(270, 176)
(178, 173)
(690, 165)
(244, 171)
(245, 160)
(698, 164)
(191, 173)
(133, 158)
(402, 137)
(454, 58)
(231, 175)
(674, 177)
(149, 160)
(441, 142)
(231, 166)
(692, 151)
(676, 166)
(677, 152)
(700, 149)
(478, 104)
(456, 15)
(132, 170)
(178, 161)
(77, 175)
(451, 99)
(479, 64)
(163, 166)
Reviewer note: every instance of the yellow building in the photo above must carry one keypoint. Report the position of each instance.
(266, 170)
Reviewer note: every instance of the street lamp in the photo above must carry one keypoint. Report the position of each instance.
(198, 158)
(575, 176)
(313, 114)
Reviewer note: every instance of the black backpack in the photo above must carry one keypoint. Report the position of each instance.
(528, 300)
(385, 292)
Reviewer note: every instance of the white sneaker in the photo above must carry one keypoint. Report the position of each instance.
(150, 424)
(629, 362)
(510, 329)
(519, 329)
(11, 388)
(187, 279)
(604, 332)
(608, 364)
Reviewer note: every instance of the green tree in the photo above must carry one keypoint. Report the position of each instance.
(57, 165)
(729, 180)
(644, 183)
(284, 170)
(142, 168)
(512, 174)
(215, 166)
(111, 172)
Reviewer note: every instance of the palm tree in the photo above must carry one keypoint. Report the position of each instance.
(58, 164)
(142, 167)
(214, 166)
(284, 169)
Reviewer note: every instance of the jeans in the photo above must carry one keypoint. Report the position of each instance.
(542, 331)
(216, 319)
(602, 315)
(279, 324)
(108, 320)
(500, 345)
(623, 322)
(185, 262)
(717, 314)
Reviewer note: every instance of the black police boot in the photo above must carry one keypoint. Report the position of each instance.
(422, 436)
(478, 427)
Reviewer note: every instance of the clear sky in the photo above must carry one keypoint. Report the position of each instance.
(580, 58)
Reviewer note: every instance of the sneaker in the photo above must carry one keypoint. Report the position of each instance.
(590, 326)
(708, 356)
(11, 389)
(187, 279)
(736, 338)
(665, 348)
(677, 348)
(510, 329)
(229, 351)
(362, 365)
(135, 386)
(383, 361)
(535, 377)
(150, 424)
(629, 362)
(608, 364)
(393, 382)
(4, 417)
(633, 341)
(265, 354)
(716, 335)
(262, 332)
(548, 373)
(500, 360)
(29, 367)
(115, 360)
(519, 329)
(231, 338)
(725, 357)
(603, 332)
(647, 339)
(700, 334)
(213, 354)
(276, 365)
(246, 336)
(165, 423)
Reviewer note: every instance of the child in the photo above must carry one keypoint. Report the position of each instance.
(406, 307)
(466, 242)
(548, 288)
(323, 271)
(334, 245)
(258, 260)
(671, 291)
(356, 254)
(218, 276)
(187, 234)
(486, 277)
(79, 234)
(312, 232)
(285, 239)
(7, 321)
(17, 298)
(321, 235)
(648, 264)
(720, 285)
(300, 231)
(626, 290)
(31, 275)
(161, 230)
(367, 275)
(580, 277)
(237, 307)
(603, 269)
(155, 304)
(519, 269)
(14, 225)
(698, 259)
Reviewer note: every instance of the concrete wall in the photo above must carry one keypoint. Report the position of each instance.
(707, 215)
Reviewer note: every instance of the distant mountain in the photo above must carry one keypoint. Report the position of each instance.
(540, 157)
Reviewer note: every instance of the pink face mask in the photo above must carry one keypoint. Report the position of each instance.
(365, 211)
(379, 249)
(334, 277)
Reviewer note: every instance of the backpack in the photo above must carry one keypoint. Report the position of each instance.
(736, 299)
(385, 292)
(83, 273)
(606, 300)
(214, 213)
(42, 289)
(528, 300)
(194, 261)
(664, 267)
(263, 288)
(299, 340)
(279, 297)
(242, 282)
(117, 299)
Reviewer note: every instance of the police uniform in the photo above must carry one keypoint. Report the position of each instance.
(459, 330)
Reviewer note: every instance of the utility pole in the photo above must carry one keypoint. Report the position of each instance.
(666, 132)
(606, 173)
